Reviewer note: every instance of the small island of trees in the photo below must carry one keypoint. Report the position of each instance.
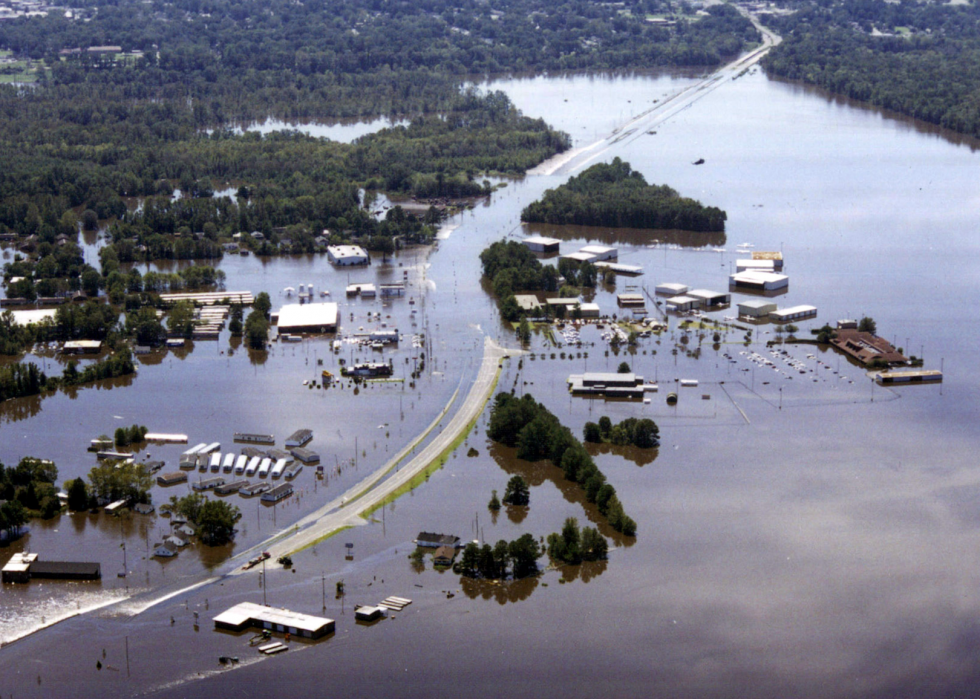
(615, 195)
(536, 432)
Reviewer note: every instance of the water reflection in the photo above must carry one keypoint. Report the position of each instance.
(516, 514)
(640, 457)
(500, 591)
(900, 120)
(585, 571)
(639, 237)
(19, 409)
(537, 473)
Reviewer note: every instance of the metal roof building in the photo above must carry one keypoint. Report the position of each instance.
(758, 281)
(601, 252)
(308, 318)
(710, 298)
(670, 289)
(793, 313)
(246, 614)
(756, 308)
(539, 243)
(680, 304)
(345, 255)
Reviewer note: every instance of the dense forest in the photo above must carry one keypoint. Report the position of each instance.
(920, 59)
(617, 196)
(99, 126)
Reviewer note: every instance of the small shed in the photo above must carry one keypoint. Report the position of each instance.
(444, 556)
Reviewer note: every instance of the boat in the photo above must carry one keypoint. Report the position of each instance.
(699, 161)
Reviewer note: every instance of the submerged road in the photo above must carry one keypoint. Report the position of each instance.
(576, 159)
(350, 508)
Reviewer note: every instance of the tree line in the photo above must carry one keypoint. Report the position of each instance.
(28, 490)
(97, 129)
(918, 59)
(639, 432)
(27, 379)
(617, 196)
(537, 434)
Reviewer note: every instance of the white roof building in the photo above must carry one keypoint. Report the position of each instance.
(308, 318)
(345, 255)
(758, 281)
(539, 243)
(601, 252)
(274, 619)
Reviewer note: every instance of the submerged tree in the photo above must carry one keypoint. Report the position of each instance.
(517, 492)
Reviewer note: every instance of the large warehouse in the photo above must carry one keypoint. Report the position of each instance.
(758, 281)
(345, 255)
(755, 309)
(537, 243)
(308, 318)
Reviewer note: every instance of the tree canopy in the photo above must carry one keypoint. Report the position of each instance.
(617, 196)
(919, 59)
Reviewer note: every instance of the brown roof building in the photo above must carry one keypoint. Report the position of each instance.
(866, 348)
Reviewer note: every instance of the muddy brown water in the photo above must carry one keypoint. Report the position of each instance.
(800, 534)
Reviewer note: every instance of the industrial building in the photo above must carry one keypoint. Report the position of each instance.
(593, 253)
(280, 492)
(307, 456)
(631, 270)
(82, 347)
(710, 299)
(755, 265)
(299, 438)
(434, 541)
(631, 299)
(254, 438)
(671, 289)
(610, 385)
(588, 310)
(528, 302)
(308, 318)
(22, 567)
(775, 256)
(568, 303)
(247, 614)
(788, 315)
(683, 304)
(758, 281)
(368, 370)
(368, 291)
(909, 376)
(601, 252)
(537, 243)
(755, 309)
(172, 478)
(207, 483)
(347, 255)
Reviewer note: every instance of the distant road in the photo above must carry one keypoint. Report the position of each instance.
(346, 510)
(576, 159)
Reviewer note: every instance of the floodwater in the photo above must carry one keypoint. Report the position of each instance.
(342, 130)
(801, 532)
